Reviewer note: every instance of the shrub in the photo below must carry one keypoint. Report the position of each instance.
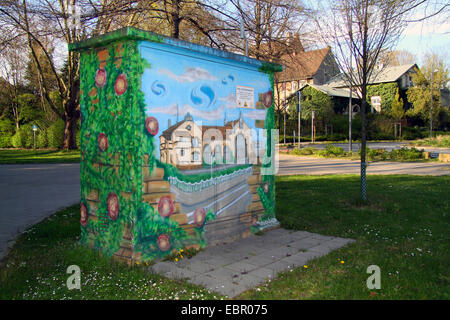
(331, 151)
(55, 134)
(303, 152)
(23, 138)
(42, 140)
(5, 140)
(376, 154)
(406, 154)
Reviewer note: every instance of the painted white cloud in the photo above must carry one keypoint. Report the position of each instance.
(230, 101)
(256, 114)
(171, 110)
(190, 75)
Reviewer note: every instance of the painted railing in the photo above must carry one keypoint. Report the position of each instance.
(204, 184)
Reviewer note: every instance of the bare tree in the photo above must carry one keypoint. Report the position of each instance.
(12, 66)
(360, 31)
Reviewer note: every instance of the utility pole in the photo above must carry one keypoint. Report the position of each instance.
(350, 108)
(284, 104)
(242, 27)
(299, 94)
(431, 103)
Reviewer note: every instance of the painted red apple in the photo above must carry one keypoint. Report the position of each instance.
(151, 124)
(100, 78)
(164, 242)
(84, 214)
(199, 217)
(113, 206)
(102, 142)
(165, 206)
(121, 84)
(268, 99)
(266, 188)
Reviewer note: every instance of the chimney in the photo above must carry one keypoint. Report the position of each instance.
(169, 123)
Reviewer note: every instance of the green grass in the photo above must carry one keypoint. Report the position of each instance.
(403, 229)
(35, 268)
(25, 156)
(441, 141)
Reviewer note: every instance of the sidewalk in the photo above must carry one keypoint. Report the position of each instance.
(233, 268)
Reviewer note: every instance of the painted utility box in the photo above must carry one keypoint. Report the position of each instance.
(177, 149)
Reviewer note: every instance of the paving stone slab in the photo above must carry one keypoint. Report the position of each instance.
(241, 266)
(200, 266)
(279, 266)
(163, 267)
(181, 273)
(263, 273)
(233, 268)
(305, 243)
(259, 260)
(224, 274)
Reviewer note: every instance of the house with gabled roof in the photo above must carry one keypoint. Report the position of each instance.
(397, 76)
(187, 145)
(301, 68)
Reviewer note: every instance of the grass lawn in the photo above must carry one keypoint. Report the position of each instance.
(24, 156)
(441, 141)
(403, 229)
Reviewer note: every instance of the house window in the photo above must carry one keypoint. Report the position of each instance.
(195, 142)
(182, 152)
(195, 156)
(188, 127)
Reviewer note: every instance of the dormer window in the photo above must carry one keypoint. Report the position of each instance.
(188, 127)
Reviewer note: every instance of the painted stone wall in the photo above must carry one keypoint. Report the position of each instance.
(169, 151)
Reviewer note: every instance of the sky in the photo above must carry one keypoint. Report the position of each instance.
(431, 35)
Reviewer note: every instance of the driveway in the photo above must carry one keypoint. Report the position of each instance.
(29, 193)
(290, 164)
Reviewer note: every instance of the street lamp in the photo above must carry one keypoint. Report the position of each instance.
(34, 135)
(431, 104)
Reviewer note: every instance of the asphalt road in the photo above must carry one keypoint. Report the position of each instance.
(29, 193)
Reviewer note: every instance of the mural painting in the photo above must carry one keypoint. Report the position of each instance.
(174, 139)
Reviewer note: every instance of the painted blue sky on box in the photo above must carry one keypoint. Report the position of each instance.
(204, 88)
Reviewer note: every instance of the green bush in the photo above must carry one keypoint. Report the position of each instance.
(23, 138)
(55, 134)
(376, 154)
(396, 154)
(406, 154)
(331, 151)
(5, 140)
(42, 140)
(303, 152)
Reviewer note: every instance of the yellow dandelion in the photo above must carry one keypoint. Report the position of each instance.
(176, 259)
(305, 266)
(181, 257)
(342, 261)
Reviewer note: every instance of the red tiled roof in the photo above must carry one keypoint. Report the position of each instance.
(303, 65)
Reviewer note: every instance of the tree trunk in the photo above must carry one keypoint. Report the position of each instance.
(70, 132)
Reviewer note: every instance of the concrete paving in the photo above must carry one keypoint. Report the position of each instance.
(32, 192)
(290, 164)
(232, 268)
